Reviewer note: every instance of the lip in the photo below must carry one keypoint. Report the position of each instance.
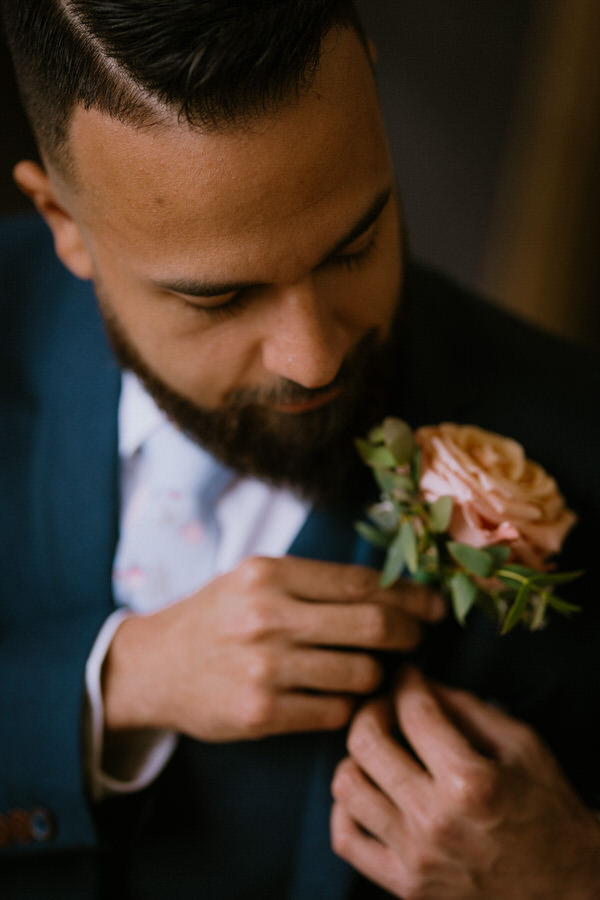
(307, 405)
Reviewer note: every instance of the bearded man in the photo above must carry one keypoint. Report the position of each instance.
(189, 623)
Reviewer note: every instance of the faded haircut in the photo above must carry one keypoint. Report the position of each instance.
(213, 63)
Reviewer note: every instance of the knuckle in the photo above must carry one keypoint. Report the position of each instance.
(255, 712)
(261, 667)
(344, 779)
(338, 713)
(388, 825)
(362, 737)
(368, 674)
(359, 580)
(373, 625)
(256, 571)
(528, 745)
(341, 838)
(257, 618)
(477, 788)
(411, 634)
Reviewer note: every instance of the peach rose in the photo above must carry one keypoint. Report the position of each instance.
(499, 495)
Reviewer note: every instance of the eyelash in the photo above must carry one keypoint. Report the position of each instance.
(350, 261)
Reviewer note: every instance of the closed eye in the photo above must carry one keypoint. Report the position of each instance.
(352, 257)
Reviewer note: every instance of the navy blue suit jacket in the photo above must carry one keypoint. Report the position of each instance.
(244, 820)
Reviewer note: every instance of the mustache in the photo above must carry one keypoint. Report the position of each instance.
(291, 392)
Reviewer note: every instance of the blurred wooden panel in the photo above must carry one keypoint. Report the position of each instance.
(543, 254)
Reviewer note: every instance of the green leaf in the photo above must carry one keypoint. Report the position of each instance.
(440, 514)
(394, 562)
(415, 467)
(393, 483)
(409, 547)
(464, 594)
(384, 516)
(373, 535)
(518, 607)
(376, 435)
(377, 457)
(538, 619)
(475, 561)
(499, 554)
(558, 578)
(562, 606)
(399, 440)
(525, 571)
(386, 480)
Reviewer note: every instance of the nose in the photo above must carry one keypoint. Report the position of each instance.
(305, 341)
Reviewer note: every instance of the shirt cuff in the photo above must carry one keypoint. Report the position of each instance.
(134, 758)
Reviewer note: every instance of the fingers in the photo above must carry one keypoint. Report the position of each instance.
(429, 730)
(366, 805)
(328, 670)
(378, 863)
(285, 713)
(496, 733)
(326, 582)
(380, 756)
(370, 625)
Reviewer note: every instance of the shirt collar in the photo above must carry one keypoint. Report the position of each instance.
(139, 416)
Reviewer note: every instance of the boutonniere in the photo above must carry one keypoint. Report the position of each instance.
(465, 510)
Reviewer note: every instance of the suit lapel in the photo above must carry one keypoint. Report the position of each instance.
(318, 873)
(77, 453)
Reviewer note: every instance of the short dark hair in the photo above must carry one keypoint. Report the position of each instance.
(212, 62)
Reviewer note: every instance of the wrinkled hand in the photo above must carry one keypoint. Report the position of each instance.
(482, 813)
(277, 645)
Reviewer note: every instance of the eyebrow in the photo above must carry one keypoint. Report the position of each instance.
(215, 289)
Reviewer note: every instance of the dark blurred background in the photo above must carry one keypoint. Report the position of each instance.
(493, 110)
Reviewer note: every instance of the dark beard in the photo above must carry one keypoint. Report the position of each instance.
(311, 452)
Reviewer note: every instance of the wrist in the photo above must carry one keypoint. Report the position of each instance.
(128, 694)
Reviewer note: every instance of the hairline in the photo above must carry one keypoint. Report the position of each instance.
(144, 111)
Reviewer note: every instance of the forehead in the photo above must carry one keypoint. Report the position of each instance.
(162, 193)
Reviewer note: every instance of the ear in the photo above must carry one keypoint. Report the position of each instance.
(68, 240)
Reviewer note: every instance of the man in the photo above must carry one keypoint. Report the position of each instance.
(219, 173)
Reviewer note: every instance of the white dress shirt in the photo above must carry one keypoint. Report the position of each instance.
(253, 519)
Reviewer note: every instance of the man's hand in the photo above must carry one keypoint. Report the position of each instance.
(482, 813)
(278, 645)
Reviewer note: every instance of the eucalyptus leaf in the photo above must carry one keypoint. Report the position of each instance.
(386, 480)
(384, 515)
(398, 438)
(404, 483)
(525, 571)
(558, 578)
(562, 606)
(475, 561)
(377, 457)
(518, 608)
(498, 553)
(440, 514)
(394, 562)
(464, 594)
(415, 467)
(538, 619)
(373, 535)
(409, 547)
(376, 435)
